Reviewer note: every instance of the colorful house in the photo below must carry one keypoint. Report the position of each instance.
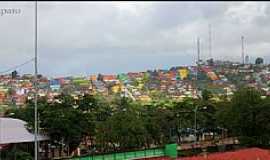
(144, 98)
(109, 78)
(2, 97)
(54, 84)
(93, 78)
(116, 88)
(212, 76)
(183, 73)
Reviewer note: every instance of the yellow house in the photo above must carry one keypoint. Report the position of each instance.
(183, 73)
(144, 98)
(140, 86)
(116, 88)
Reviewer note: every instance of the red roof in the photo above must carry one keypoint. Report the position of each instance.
(135, 74)
(156, 158)
(243, 154)
(206, 69)
(109, 77)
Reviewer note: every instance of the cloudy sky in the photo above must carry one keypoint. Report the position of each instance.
(82, 38)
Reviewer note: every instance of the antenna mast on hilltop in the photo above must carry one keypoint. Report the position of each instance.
(198, 57)
(197, 64)
(243, 54)
(198, 51)
(210, 41)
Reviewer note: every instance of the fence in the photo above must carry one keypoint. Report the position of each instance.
(169, 150)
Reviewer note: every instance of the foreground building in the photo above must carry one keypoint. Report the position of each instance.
(13, 134)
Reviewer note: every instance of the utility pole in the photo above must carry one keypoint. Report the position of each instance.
(243, 54)
(35, 85)
(195, 123)
(0, 138)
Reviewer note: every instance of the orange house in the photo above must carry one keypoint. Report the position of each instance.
(2, 97)
(93, 78)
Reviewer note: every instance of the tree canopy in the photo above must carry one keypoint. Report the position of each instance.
(120, 124)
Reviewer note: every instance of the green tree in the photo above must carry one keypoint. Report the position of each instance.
(206, 95)
(19, 155)
(158, 122)
(247, 117)
(63, 123)
(122, 129)
(259, 60)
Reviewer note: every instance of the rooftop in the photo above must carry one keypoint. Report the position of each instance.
(14, 131)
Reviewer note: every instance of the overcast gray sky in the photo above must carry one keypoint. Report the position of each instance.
(82, 38)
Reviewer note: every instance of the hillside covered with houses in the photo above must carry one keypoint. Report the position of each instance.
(219, 77)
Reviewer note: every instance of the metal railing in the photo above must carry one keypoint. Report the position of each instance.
(125, 155)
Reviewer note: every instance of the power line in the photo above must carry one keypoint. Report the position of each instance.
(17, 66)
